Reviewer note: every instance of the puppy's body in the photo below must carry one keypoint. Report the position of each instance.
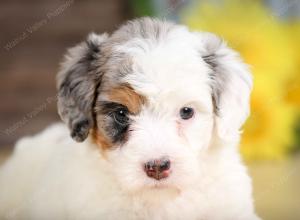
(158, 110)
(52, 177)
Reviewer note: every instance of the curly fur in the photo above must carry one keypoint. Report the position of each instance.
(149, 69)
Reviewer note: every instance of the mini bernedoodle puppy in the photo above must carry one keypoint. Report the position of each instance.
(155, 111)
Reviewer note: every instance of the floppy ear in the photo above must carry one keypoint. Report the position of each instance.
(231, 84)
(77, 82)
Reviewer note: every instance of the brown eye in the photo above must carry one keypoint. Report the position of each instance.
(186, 113)
(121, 116)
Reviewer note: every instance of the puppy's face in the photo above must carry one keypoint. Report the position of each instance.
(160, 111)
(154, 96)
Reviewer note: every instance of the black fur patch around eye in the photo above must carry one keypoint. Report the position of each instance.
(115, 127)
(109, 107)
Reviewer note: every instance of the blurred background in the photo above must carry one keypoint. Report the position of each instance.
(35, 34)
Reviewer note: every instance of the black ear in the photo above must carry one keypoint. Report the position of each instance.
(77, 82)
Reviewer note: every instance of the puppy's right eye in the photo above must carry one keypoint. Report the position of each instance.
(118, 112)
(121, 116)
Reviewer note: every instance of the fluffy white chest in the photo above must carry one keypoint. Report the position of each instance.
(72, 181)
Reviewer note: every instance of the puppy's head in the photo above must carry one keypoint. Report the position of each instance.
(154, 96)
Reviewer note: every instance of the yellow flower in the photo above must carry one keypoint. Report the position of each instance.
(268, 131)
(293, 84)
(264, 43)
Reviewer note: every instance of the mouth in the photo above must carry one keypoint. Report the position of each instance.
(160, 192)
(159, 184)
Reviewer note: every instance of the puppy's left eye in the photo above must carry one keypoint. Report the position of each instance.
(186, 113)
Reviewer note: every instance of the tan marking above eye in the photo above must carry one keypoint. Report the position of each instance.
(126, 96)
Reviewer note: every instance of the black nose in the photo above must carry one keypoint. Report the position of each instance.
(158, 169)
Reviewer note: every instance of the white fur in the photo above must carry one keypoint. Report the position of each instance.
(50, 176)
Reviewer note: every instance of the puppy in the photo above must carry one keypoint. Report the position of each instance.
(155, 111)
